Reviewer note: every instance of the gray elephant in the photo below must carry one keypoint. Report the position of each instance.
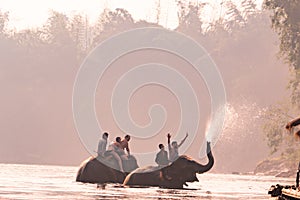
(182, 170)
(99, 170)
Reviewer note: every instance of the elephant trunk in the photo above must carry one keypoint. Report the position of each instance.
(211, 161)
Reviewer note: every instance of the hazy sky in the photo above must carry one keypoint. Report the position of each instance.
(32, 13)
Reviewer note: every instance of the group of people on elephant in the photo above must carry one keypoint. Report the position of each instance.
(173, 170)
(162, 158)
(117, 149)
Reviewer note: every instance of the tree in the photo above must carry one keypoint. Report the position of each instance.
(3, 22)
(189, 16)
(285, 18)
(276, 117)
(233, 16)
(112, 22)
(248, 8)
(286, 22)
(80, 34)
(57, 29)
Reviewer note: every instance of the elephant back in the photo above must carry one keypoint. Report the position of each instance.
(104, 171)
(94, 171)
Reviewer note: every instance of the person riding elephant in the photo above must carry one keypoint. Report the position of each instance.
(101, 151)
(162, 156)
(125, 145)
(116, 150)
(173, 148)
(162, 160)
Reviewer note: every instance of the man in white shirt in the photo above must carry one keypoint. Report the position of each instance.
(114, 149)
(173, 148)
(102, 145)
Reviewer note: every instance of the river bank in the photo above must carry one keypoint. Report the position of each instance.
(278, 167)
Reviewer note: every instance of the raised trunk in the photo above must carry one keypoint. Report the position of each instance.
(211, 161)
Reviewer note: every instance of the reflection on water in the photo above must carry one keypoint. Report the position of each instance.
(57, 182)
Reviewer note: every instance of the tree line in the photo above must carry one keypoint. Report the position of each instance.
(285, 18)
(39, 65)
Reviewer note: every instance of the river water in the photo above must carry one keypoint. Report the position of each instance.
(58, 182)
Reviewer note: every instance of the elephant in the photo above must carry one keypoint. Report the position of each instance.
(176, 175)
(104, 170)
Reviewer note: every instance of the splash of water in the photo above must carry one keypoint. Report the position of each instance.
(213, 130)
(242, 119)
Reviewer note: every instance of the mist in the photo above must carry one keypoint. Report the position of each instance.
(38, 69)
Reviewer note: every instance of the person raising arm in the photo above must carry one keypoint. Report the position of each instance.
(173, 148)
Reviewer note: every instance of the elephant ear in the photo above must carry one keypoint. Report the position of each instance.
(183, 165)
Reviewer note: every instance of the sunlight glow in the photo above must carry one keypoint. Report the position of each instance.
(33, 13)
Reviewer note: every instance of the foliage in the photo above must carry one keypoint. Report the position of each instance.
(285, 18)
(189, 16)
(249, 8)
(57, 29)
(275, 119)
(110, 23)
(232, 15)
(79, 32)
(294, 87)
(286, 22)
(3, 21)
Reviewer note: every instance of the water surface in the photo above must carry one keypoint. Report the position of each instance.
(58, 182)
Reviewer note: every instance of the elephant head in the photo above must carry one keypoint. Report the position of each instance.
(177, 174)
(184, 169)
